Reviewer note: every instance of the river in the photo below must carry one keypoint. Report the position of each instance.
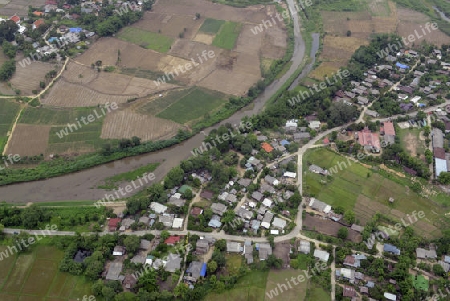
(82, 185)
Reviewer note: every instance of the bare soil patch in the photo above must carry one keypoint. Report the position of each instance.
(29, 140)
(328, 227)
(203, 38)
(27, 79)
(411, 142)
(78, 73)
(127, 123)
(281, 251)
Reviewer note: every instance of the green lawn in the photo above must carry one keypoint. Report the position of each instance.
(193, 104)
(276, 278)
(211, 26)
(227, 36)
(35, 276)
(350, 187)
(317, 293)
(146, 39)
(112, 182)
(8, 114)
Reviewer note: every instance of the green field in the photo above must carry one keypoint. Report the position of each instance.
(86, 137)
(36, 276)
(411, 135)
(146, 39)
(112, 182)
(351, 185)
(211, 26)
(317, 293)
(227, 36)
(8, 114)
(192, 104)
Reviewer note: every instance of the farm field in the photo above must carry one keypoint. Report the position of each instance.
(26, 79)
(146, 39)
(194, 104)
(352, 188)
(211, 26)
(41, 126)
(36, 276)
(8, 114)
(227, 36)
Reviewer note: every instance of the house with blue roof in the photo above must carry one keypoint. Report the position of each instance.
(75, 29)
(203, 270)
(402, 66)
(391, 249)
(284, 142)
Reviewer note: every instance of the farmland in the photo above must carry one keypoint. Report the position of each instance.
(367, 191)
(211, 26)
(227, 36)
(146, 39)
(8, 113)
(35, 276)
(193, 105)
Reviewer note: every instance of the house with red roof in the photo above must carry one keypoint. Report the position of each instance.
(113, 223)
(172, 240)
(15, 18)
(38, 13)
(267, 147)
(370, 141)
(38, 23)
(388, 131)
(326, 141)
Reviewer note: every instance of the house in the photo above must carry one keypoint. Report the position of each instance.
(304, 247)
(267, 202)
(317, 169)
(215, 222)
(38, 23)
(264, 250)
(388, 131)
(437, 138)
(218, 208)
(271, 180)
(233, 247)
(196, 270)
(289, 174)
(172, 240)
(248, 251)
(113, 223)
(177, 223)
(372, 113)
(15, 18)
(321, 255)
(196, 211)
(439, 152)
(206, 194)
(357, 228)
(440, 166)
(354, 260)
(406, 89)
(390, 296)
(415, 99)
(145, 244)
(279, 223)
(158, 208)
(114, 270)
(266, 188)
(173, 263)
(349, 291)
(267, 147)
(402, 96)
(315, 125)
(166, 220)
(302, 135)
(258, 196)
(362, 100)
(244, 213)
(129, 281)
(369, 140)
(244, 182)
(319, 206)
(391, 249)
(118, 251)
(202, 246)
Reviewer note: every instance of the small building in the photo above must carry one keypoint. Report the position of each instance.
(202, 246)
(244, 182)
(304, 247)
(258, 196)
(349, 291)
(215, 222)
(113, 223)
(267, 147)
(218, 208)
(425, 254)
(145, 244)
(158, 208)
(177, 223)
(118, 251)
(173, 263)
(114, 270)
(321, 255)
(391, 249)
(196, 211)
(271, 180)
(264, 250)
(172, 240)
(38, 23)
(390, 296)
(233, 247)
(279, 223)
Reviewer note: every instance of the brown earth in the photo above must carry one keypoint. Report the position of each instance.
(328, 227)
(29, 140)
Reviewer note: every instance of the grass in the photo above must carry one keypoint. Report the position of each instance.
(112, 182)
(227, 36)
(233, 263)
(276, 278)
(317, 293)
(196, 103)
(8, 114)
(211, 26)
(351, 183)
(161, 103)
(35, 276)
(419, 145)
(146, 39)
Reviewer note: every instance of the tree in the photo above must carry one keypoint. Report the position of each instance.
(349, 33)
(188, 195)
(164, 235)
(438, 270)
(342, 233)
(211, 267)
(148, 281)
(8, 49)
(7, 70)
(221, 245)
(108, 293)
(94, 265)
(174, 177)
(8, 29)
(131, 243)
(197, 16)
(349, 216)
(136, 140)
(273, 262)
(444, 178)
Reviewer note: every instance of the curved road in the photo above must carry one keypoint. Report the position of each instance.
(81, 185)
